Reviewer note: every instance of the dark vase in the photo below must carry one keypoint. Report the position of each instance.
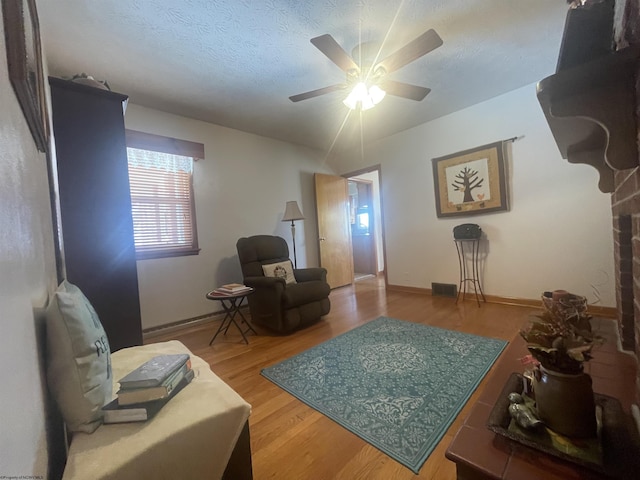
(565, 402)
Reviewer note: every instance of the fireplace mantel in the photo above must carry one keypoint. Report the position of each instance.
(591, 110)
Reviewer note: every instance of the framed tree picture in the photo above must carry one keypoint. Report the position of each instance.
(24, 59)
(471, 182)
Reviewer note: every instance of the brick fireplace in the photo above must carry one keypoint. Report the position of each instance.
(625, 206)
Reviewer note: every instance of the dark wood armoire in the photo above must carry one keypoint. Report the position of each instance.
(95, 205)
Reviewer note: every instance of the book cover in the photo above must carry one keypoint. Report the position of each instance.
(128, 396)
(114, 412)
(223, 293)
(219, 293)
(153, 372)
(233, 288)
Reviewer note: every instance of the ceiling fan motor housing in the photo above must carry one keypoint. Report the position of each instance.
(369, 76)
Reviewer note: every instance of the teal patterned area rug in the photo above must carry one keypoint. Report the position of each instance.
(398, 385)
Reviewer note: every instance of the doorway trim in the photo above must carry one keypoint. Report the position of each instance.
(376, 168)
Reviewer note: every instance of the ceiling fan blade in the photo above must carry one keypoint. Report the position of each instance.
(318, 92)
(405, 90)
(334, 52)
(413, 50)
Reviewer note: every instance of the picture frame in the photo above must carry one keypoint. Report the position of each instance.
(471, 182)
(24, 59)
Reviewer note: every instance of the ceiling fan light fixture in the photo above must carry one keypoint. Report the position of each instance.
(363, 96)
(357, 95)
(376, 94)
(372, 72)
(366, 103)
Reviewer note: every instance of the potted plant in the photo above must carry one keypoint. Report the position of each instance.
(561, 340)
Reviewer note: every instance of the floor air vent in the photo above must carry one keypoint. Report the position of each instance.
(444, 290)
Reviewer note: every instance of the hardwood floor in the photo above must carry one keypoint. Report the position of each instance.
(290, 440)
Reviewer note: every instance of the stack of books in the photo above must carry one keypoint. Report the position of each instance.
(145, 390)
(231, 289)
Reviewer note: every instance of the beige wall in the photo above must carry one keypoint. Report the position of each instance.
(556, 236)
(241, 188)
(27, 277)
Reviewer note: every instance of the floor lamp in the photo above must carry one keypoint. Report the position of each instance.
(292, 212)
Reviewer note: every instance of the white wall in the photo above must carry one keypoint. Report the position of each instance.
(556, 235)
(241, 188)
(27, 263)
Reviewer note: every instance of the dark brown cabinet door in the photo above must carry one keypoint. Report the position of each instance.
(95, 204)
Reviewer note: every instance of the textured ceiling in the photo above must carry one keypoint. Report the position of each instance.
(236, 62)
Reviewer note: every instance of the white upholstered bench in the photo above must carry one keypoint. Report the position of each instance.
(193, 436)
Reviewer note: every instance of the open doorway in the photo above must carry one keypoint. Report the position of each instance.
(365, 215)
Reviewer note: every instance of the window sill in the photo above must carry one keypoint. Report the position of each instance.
(166, 253)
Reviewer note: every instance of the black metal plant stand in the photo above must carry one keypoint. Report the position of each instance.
(468, 260)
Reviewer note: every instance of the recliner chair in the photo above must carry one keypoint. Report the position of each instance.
(276, 304)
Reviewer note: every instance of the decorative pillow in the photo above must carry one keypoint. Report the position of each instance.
(280, 269)
(78, 359)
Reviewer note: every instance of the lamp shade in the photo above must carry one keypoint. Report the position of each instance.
(292, 212)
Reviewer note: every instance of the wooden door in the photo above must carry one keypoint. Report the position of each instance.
(334, 233)
(364, 254)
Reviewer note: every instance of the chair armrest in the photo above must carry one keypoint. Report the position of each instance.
(266, 302)
(265, 282)
(309, 274)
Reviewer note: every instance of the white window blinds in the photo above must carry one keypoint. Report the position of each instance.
(162, 200)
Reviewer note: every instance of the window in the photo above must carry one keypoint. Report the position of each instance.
(162, 202)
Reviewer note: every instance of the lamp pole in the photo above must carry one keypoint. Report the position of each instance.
(293, 236)
(291, 213)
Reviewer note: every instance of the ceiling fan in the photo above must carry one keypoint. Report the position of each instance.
(368, 84)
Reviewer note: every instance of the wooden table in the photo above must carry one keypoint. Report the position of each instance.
(480, 454)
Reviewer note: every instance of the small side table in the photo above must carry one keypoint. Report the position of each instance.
(231, 304)
(466, 276)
